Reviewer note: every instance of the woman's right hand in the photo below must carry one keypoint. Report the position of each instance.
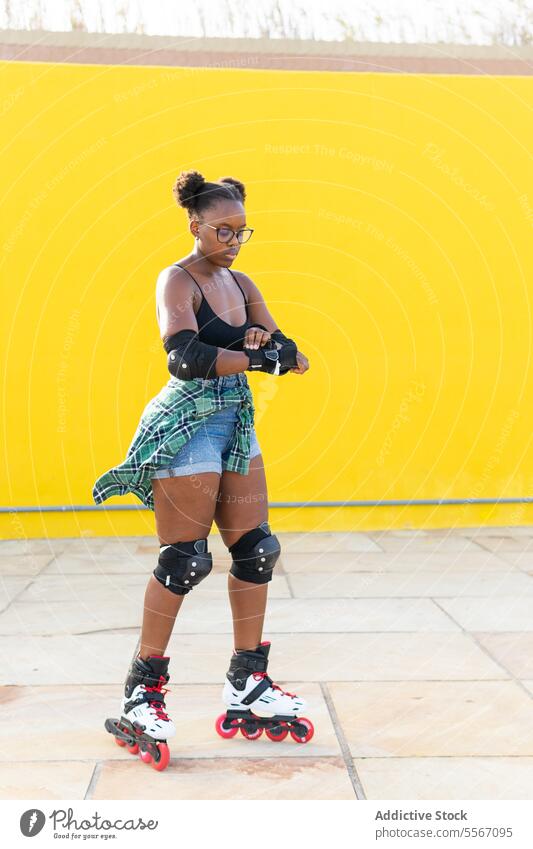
(303, 363)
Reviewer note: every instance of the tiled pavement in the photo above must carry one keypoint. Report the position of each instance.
(414, 650)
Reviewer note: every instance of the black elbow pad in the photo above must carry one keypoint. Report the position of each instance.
(188, 357)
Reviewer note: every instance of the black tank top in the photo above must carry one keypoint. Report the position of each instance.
(212, 329)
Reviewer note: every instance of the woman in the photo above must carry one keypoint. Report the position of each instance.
(195, 456)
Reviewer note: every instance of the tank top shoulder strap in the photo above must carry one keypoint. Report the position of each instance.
(190, 275)
(240, 287)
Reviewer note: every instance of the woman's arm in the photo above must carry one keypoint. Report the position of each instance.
(258, 312)
(187, 356)
(257, 309)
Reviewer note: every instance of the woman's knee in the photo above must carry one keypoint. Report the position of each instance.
(255, 554)
(183, 565)
(184, 507)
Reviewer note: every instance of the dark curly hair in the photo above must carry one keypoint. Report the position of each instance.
(195, 194)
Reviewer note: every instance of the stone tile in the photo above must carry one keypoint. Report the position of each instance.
(446, 778)
(421, 542)
(528, 685)
(66, 659)
(151, 549)
(104, 658)
(202, 614)
(117, 564)
(405, 585)
(84, 588)
(99, 588)
(114, 544)
(505, 530)
(384, 657)
(24, 564)
(291, 542)
(71, 724)
(445, 719)
(506, 613)
(51, 545)
(519, 559)
(216, 586)
(360, 615)
(229, 778)
(483, 531)
(507, 544)
(312, 615)
(99, 563)
(340, 541)
(68, 617)
(414, 561)
(131, 541)
(52, 779)
(347, 657)
(514, 651)
(11, 587)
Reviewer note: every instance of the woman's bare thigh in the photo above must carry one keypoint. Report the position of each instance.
(184, 506)
(242, 501)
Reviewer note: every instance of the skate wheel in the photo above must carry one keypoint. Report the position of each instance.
(145, 756)
(223, 730)
(133, 749)
(251, 735)
(276, 737)
(120, 742)
(309, 733)
(164, 757)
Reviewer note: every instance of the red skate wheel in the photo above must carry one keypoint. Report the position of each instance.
(146, 757)
(164, 757)
(277, 738)
(251, 735)
(310, 730)
(120, 742)
(133, 749)
(227, 733)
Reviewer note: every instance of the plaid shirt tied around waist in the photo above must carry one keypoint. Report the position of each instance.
(168, 421)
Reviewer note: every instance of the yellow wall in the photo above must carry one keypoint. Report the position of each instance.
(393, 217)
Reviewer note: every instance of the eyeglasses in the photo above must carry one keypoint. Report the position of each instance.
(226, 234)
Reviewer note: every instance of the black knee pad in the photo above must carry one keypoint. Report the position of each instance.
(182, 565)
(254, 555)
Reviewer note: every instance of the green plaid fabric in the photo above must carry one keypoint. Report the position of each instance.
(168, 421)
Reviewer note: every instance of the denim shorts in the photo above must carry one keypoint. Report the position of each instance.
(208, 449)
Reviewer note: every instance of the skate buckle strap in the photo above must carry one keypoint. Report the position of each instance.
(157, 698)
(266, 682)
(275, 686)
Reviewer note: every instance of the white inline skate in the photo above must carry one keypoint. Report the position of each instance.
(255, 703)
(144, 725)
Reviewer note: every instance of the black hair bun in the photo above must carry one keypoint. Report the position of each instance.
(237, 186)
(186, 188)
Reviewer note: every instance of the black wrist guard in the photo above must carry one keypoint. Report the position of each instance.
(271, 359)
(278, 336)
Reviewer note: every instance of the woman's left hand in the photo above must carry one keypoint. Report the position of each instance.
(256, 337)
